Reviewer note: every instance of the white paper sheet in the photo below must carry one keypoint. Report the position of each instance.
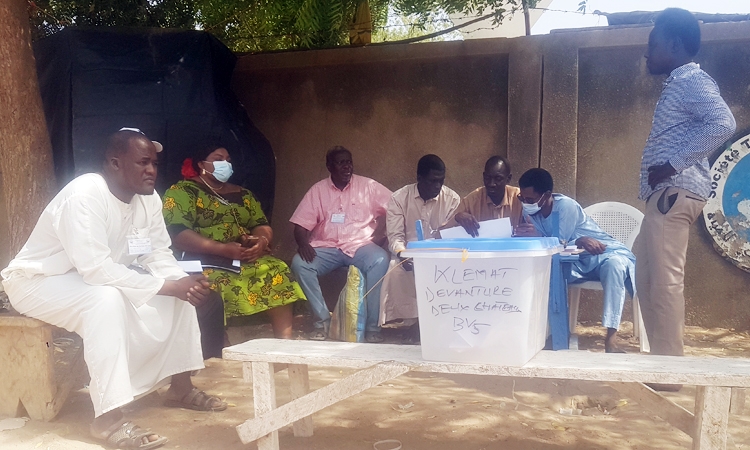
(191, 266)
(496, 228)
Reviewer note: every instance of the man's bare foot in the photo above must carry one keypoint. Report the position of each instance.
(610, 342)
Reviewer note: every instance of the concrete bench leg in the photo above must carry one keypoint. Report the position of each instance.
(34, 378)
(711, 417)
(264, 396)
(737, 403)
(263, 425)
(299, 386)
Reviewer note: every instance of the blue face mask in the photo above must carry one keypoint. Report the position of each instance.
(532, 208)
(222, 170)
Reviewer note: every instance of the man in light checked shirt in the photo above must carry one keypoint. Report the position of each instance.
(690, 123)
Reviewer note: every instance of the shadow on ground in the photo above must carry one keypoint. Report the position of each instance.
(422, 411)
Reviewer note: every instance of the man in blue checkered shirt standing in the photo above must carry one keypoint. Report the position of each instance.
(690, 123)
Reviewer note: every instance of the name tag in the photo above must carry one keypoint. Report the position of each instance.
(139, 246)
(338, 217)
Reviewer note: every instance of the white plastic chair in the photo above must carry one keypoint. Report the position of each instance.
(622, 222)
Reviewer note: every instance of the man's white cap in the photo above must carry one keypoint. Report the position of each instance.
(158, 145)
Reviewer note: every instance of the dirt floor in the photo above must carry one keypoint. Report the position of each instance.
(422, 411)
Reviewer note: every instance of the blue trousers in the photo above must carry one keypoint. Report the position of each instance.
(370, 259)
(615, 272)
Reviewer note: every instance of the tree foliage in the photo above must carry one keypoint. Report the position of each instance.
(255, 25)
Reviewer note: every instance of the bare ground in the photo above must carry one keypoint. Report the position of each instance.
(422, 411)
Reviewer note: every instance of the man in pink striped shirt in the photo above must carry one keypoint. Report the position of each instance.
(333, 226)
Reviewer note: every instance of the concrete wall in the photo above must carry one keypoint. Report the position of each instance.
(576, 103)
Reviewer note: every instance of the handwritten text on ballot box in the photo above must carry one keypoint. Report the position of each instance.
(482, 306)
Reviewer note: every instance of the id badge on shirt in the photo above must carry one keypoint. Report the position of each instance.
(338, 217)
(138, 245)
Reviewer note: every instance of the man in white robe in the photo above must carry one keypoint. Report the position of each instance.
(434, 204)
(76, 271)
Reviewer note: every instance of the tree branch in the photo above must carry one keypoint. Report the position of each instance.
(438, 33)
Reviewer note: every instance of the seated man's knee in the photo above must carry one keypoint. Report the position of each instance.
(378, 257)
(108, 304)
(614, 267)
(615, 263)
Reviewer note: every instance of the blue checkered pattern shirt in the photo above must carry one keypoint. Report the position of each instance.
(691, 121)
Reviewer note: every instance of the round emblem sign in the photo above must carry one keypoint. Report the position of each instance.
(727, 212)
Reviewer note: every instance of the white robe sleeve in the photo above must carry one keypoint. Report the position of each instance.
(81, 227)
(160, 262)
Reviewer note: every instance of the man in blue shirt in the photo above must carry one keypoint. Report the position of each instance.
(604, 259)
(691, 121)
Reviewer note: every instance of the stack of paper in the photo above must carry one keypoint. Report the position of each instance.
(496, 228)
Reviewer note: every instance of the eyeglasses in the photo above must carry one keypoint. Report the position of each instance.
(530, 201)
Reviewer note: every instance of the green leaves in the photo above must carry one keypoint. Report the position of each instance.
(257, 25)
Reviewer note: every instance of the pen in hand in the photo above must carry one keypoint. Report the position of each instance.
(526, 228)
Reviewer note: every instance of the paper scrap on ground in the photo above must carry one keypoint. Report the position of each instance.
(495, 228)
(13, 423)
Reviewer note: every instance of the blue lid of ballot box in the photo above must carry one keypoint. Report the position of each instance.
(487, 244)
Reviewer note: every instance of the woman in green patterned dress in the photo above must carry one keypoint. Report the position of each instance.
(206, 215)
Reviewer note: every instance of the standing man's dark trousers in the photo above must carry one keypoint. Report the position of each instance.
(661, 251)
(211, 324)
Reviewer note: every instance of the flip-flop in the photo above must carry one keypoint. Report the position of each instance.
(374, 337)
(196, 400)
(318, 334)
(128, 435)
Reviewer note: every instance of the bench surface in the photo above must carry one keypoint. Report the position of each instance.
(580, 365)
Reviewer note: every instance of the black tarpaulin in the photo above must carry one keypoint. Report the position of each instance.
(172, 84)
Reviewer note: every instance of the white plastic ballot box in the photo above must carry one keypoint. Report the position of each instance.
(482, 300)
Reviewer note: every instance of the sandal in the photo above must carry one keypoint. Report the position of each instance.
(197, 400)
(411, 335)
(318, 334)
(129, 435)
(374, 337)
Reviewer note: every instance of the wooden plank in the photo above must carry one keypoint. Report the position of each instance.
(606, 367)
(712, 416)
(264, 396)
(299, 386)
(329, 395)
(737, 402)
(672, 413)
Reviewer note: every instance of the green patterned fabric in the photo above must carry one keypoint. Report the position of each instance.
(261, 285)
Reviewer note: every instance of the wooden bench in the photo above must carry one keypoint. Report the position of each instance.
(378, 363)
(40, 364)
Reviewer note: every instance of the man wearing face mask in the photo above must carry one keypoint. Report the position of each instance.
(605, 259)
(430, 202)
